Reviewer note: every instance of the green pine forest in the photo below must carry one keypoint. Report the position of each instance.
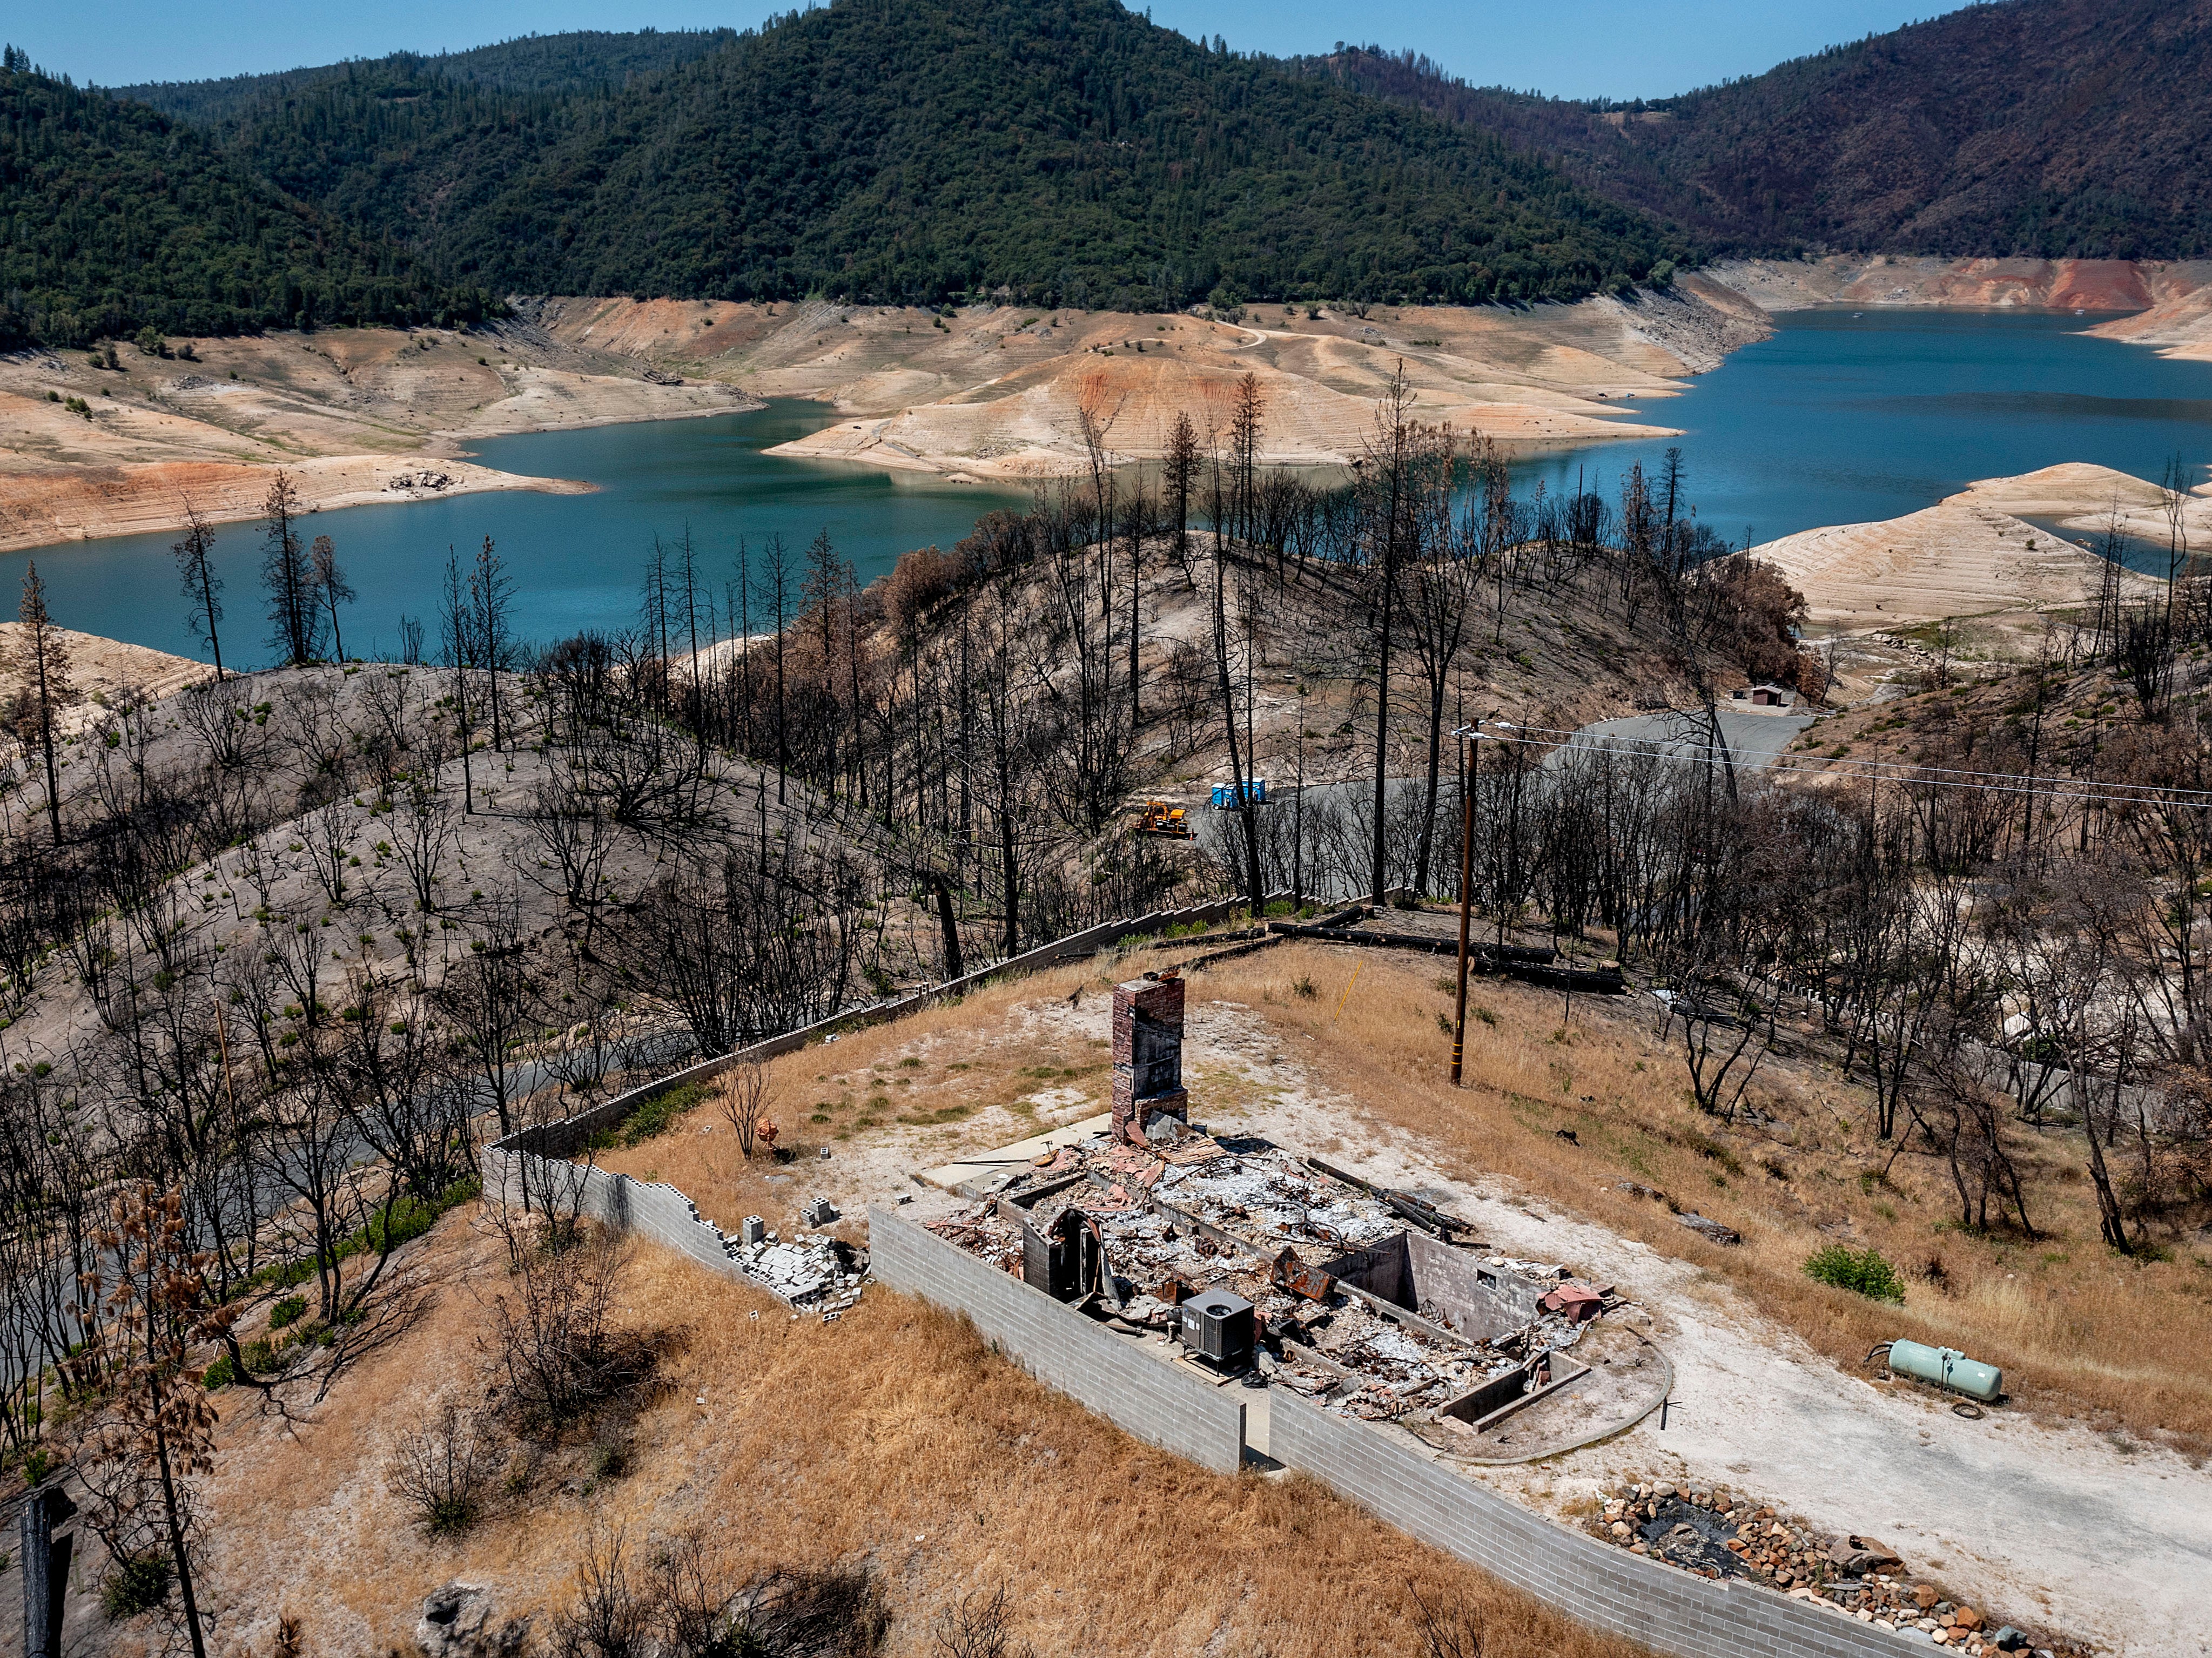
(114, 217)
(909, 151)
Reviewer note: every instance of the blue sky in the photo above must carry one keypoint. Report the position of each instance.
(1575, 48)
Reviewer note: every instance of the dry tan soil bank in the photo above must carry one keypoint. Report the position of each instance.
(1973, 553)
(356, 415)
(100, 667)
(1882, 280)
(1000, 392)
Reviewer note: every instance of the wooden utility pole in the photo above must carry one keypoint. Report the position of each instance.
(1471, 748)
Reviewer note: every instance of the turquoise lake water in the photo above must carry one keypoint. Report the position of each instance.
(577, 561)
(1838, 418)
(1844, 418)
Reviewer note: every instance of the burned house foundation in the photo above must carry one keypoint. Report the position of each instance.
(1232, 1302)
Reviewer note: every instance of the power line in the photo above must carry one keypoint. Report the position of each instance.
(1908, 770)
(2013, 783)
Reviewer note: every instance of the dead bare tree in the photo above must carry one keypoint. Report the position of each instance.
(551, 1338)
(610, 1616)
(444, 1468)
(1452, 1627)
(976, 1625)
(1725, 1034)
(742, 1100)
(1965, 1121)
(41, 662)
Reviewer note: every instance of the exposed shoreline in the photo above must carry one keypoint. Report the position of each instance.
(994, 394)
(356, 416)
(1892, 281)
(55, 512)
(1976, 553)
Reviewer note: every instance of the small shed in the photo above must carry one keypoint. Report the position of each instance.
(1767, 696)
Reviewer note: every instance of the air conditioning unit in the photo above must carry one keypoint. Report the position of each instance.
(1217, 1325)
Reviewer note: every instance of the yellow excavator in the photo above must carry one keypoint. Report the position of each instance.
(1157, 817)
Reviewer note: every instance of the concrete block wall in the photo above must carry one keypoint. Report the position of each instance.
(658, 1210)
(1154, 1401)
(652, 1209)
(1591, 1582)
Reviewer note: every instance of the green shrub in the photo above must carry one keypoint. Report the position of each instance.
(411, 1218)
(136, 1583)
(1862, 1272)
(289, 1310)
(260, 1355)
(220, 1373)
(659, 1115)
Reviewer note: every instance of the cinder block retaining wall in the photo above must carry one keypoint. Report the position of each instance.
(1606, 1588)
(1155, 1402)
(1592, 1582)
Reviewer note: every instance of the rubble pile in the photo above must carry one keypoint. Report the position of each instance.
(1355, 1362)
(1716, 1533)
(986, 1234)
(810, 1270)
(1247, 1216)
(1261, 1192)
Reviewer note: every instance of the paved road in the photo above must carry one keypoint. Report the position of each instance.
(1753, 739)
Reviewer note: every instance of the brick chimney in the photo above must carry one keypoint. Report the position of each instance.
(1147, 1054)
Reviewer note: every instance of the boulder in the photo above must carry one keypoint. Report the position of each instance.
(460, 1621)
(1855, 1556)
(1711, 1229)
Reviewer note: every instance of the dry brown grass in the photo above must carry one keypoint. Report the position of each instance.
(960, 1078)
(2077, 1328)
(2064, 1315)
(891, 1436)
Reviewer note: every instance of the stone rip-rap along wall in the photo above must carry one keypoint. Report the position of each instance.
(1607, 1588)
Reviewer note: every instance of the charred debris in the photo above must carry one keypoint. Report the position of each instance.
(1267, 1267)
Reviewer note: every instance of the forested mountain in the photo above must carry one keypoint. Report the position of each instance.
(2051, 128)
(114, 217)
(1068, 151)
(584, 60)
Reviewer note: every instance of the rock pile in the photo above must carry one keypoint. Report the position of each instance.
(1713, 1532)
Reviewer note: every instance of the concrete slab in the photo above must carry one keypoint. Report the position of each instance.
(978, 1176)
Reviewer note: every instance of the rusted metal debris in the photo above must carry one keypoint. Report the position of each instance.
(1290, 1273)
(1578, 1303)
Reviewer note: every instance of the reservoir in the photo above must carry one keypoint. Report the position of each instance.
(1838, 418)
(1847, 417)
(577, 561)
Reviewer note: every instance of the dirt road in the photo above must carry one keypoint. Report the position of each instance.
(2107, 1540)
